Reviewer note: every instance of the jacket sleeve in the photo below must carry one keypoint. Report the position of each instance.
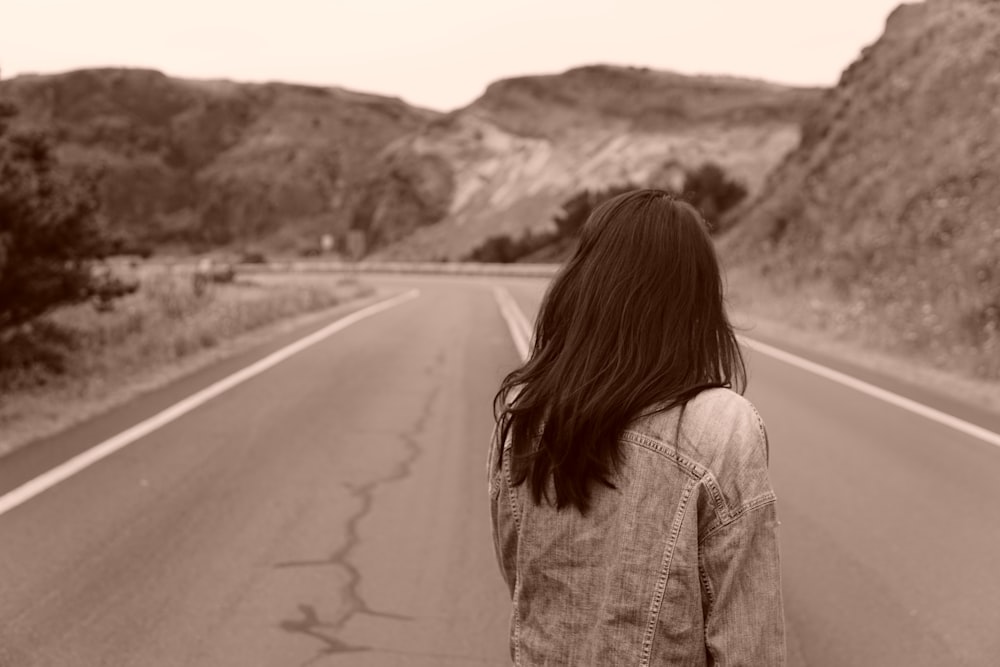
(741, 582)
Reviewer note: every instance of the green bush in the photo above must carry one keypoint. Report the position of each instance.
(709, 189)
(575, 210)
(502, 249)
(51, 238)
(252, 257)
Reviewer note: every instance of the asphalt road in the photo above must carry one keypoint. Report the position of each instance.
(890, 522)
(331, 511)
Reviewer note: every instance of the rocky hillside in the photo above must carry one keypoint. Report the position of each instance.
(892, 200)
(529, 143)
(214, 163)
(203, 164)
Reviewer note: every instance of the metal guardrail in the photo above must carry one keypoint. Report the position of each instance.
(428, 268)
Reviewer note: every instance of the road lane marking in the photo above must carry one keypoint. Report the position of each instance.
(521, 331)
(67, 469)
(877, 392)
(517, 323)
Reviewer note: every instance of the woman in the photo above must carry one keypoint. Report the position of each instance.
(633, 517)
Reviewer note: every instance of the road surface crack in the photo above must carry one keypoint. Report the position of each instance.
(353, 602)
(310, 625)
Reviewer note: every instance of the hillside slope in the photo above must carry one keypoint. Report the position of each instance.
(206, 164)
(528, 143)
(210, 163)
(892, 200)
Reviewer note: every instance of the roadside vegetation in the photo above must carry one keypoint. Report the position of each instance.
(79, 331)
(166, 328)
(52, 241)
(708, 188)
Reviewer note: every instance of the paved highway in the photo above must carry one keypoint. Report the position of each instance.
(890, 529)
(331, 511)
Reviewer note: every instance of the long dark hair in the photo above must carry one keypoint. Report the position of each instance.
(634, 321)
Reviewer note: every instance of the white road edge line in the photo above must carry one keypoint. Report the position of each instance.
(520, 332)
(925, 411)
(67, 469)
(527, 328)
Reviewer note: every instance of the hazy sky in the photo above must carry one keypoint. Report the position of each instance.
(438, 53)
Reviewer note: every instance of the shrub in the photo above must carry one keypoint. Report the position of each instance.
(502, 249)
(51, 236)
(253, 257)
(123, 246)
(709, 189)
(499, 249)
(210, 271)
(33, 353)
(578, 208)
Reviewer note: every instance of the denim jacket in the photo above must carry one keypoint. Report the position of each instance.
(678, 565)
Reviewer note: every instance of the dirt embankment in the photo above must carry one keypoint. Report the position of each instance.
(530, 143)
(884, 224)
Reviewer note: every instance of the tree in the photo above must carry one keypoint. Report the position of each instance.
(504, 249)
(578, 208)
(50, 232)
(498, 249)
(711, 191)
(575, 211)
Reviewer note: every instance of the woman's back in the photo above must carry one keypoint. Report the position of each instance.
(657, 571)
(629, 535)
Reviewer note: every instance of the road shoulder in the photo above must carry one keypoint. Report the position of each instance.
(147, 396)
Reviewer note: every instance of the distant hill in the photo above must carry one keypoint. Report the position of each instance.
(528, 143)
(215, 163)
(206, 164)
(893, 196)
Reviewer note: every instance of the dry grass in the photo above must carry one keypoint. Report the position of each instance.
(908, 346)
(154, 336)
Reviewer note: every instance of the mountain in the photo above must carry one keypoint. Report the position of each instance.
(204, 164)
(211, 163)
(892, 199)
(529, 143)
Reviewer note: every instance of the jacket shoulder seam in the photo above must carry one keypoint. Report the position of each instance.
(760, 501)
(763, 433)
(689, 466)
(694, 470)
